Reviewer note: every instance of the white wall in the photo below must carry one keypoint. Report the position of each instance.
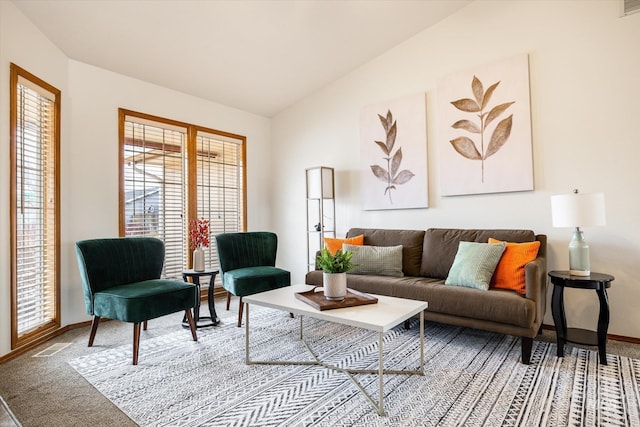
(89, 149)
(584, 61)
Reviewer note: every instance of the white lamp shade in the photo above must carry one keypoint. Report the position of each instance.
(320, 182)
(578, 210)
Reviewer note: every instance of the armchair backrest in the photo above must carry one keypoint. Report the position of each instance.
(105, 263)
(250, 249)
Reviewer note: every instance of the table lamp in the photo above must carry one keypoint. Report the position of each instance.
(578, 210)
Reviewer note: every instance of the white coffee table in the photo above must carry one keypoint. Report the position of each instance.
(387, 313)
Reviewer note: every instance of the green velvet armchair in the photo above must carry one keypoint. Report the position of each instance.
(247, 264)
(121, 281)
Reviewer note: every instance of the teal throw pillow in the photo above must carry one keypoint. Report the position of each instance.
(376, 260)
(474, 264)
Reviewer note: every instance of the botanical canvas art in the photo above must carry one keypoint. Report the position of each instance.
(485, 129)
(393, 141)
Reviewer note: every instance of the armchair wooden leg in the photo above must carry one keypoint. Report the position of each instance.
(240, 313)
(94, 328)
(136, 342)
(228, 299)
(192, 324)
(144, 325)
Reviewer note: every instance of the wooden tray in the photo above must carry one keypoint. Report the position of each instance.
(317, 300)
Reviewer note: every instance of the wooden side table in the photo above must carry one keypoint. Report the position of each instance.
(195, 278)
(596, 281)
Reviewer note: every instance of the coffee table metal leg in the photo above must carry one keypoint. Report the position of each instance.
(379, 406)
(422, 342)
(247, 359)
(380, 376)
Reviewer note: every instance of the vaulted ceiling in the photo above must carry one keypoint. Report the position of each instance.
(259, 56)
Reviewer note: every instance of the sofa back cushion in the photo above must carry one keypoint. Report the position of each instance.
(441, 245)
(411, 241)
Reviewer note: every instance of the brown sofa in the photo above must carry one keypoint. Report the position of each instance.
(427, 257)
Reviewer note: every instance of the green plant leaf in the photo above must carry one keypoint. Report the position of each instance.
(403, 177)
(496, 111)
(499, 136)
(383, 147)
(391, 136)
(467, 105)
(487, 95)
(466, 148)
(395, 162)
(478, 91)
(340, 262)
(466, 125)
(380, 173)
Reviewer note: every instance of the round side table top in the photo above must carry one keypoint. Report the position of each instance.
(206, 271)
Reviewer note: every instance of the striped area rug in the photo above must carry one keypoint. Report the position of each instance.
(472, 378)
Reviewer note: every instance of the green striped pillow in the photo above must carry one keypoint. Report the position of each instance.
(474, 264)
(376, 260)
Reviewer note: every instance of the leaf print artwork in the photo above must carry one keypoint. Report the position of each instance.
(390, 175)
(466, 146)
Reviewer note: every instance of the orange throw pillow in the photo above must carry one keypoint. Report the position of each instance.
(333, 244)
(509, 273)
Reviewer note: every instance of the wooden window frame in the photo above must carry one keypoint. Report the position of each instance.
(30, 336)
(191, 202)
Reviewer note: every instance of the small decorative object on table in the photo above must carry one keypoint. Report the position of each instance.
(318, 301)
(198, 239)
(335, 267)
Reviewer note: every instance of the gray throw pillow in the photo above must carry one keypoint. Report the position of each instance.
(474, 264)
(376, 260)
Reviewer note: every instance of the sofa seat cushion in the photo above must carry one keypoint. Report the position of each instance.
(130, 302)
(496, 305)
(411, 241)
(252, 280)
(441, 246)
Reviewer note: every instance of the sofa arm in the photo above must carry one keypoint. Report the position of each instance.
(535, 280)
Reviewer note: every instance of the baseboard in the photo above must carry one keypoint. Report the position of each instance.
(21, 350)
(612, 337)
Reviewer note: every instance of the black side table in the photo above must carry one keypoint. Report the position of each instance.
(195, 278)
(596, 281)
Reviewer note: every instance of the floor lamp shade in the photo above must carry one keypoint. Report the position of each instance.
(578, 210)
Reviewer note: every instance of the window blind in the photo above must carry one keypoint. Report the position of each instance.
(220, 186)
(35, 219)
(154, 187)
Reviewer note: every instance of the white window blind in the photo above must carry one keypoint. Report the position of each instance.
(154, 188)
(35, 219)
(220, 185)
(163, 187)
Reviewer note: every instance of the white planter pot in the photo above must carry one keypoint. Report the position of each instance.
(198, 259)
(335, 285)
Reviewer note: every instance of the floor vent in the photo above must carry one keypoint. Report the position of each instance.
(50, 351)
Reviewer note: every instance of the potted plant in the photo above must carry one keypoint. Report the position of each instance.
(335, 268)
(198, 239)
